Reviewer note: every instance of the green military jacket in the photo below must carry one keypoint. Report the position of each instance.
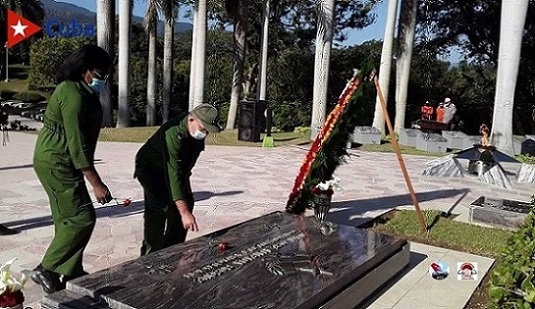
(172, 153)
(71, 126)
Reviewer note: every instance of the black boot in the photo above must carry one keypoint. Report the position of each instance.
(69, 278)
(4, 230)
(47, 279)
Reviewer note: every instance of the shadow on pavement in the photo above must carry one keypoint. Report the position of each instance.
(349, 212)
(110, 211)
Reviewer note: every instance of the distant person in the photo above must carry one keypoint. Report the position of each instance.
(440, 112)
(4, 121)
(427, 111)
(64, 157)
(449, 110)
(163, 167)
(484, 131)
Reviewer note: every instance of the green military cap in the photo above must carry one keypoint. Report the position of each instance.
(208, 116)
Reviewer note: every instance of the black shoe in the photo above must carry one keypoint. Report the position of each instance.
(4, 230)
(48, 280)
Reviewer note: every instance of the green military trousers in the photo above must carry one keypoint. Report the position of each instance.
(162, 223)
(73, 215)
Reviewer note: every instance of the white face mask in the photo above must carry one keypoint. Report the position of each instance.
(199, 135)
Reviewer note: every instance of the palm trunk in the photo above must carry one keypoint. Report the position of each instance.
(262, 77)
(386, 64)
(240, 29)
(168, 67)
(193, 56)
(513, 18)
(151, 76)
(403, 66)
(105, 38)
(198, 95)
(125, 23)
(322, 61)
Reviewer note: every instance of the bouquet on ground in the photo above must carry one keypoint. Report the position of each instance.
(10, 288)
(327, 187)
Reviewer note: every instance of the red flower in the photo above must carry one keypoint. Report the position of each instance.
(223, 246)
(127, 202)
(11, 299)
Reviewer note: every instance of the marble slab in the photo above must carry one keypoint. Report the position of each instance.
(455, 139)
(407, 137)
(431, 142)
(275, 261)
(470, 140)
(367, 135)
(499, 212)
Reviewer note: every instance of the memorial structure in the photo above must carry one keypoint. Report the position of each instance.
(279, 260)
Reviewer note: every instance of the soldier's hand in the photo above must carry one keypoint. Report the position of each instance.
(188, 220)
(102, 193)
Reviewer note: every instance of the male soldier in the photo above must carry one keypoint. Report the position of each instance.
(163, 167)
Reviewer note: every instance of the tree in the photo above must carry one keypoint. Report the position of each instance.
(106, 40)
(407, 25)
(514, 13)
(321, 73)
(386, 64)
(200, 27)
(170, 11)
(237, 9)
(151, 20)
(125, 23)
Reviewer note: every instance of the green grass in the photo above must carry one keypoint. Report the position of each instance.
(226, 137)
(386, 146)
(445, 232)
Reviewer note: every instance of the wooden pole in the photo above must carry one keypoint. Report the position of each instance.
(400, 158)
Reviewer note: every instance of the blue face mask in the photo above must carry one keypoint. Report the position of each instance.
(199, 135)
(97, 84)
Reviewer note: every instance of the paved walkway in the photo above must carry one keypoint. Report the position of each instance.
(231, 184)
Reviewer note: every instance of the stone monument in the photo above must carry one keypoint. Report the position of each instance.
(276, 261)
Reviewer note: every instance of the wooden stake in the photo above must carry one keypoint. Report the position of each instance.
(400, 158)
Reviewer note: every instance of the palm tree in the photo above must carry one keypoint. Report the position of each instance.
(513, 18)
(170, 11)
(32, 10)
(237, 9)
(407, 25)
(321, 71)
(125, 23)
(386, 64)
(200, 53)
(262, 78)
(151, 20)
(195, 14)
(106, 40)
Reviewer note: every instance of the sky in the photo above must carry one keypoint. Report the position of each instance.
(355, 36)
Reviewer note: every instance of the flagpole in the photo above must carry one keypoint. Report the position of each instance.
(7, 63)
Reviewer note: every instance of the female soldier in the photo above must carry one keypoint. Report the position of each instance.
(63, 155)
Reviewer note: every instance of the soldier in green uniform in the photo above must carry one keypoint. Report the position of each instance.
(63, 156)
(163, 167)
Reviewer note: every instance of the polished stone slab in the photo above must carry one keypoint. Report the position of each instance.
(499, 212)
(275, 261)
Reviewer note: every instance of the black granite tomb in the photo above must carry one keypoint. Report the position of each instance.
(499, 212)
(275, 261)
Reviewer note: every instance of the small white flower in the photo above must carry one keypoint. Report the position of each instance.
(8, 283)
(330, 184)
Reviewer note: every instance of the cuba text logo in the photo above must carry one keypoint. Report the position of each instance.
(54, 27)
